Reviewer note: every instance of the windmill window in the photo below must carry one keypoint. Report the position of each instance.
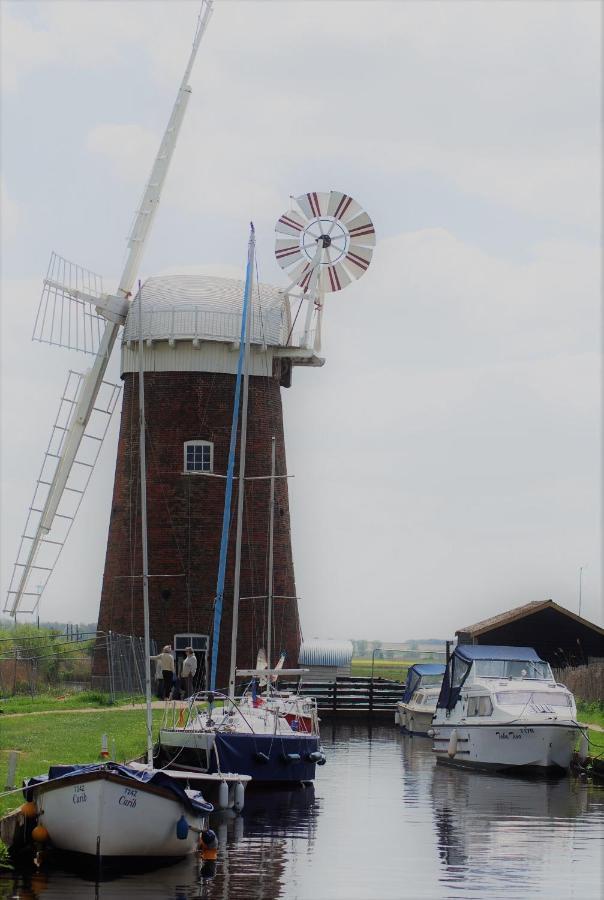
(199, 456)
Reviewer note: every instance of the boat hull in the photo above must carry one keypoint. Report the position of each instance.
(108, 817)
(413, 721)
(500, 747)
(267, 758)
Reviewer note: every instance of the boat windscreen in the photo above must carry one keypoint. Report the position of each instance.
(513, 668)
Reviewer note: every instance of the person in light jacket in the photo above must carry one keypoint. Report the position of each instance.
(166, 661)
(189, 669)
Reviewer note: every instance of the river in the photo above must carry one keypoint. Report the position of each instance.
(383, 822)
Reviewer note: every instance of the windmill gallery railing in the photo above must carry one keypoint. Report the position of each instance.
(347, 696)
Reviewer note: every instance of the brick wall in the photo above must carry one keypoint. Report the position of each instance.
(185, 518)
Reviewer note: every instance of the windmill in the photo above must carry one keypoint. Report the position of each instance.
(324, 244)
(76, 313)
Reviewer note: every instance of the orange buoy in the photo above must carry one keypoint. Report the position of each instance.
(29, 810)
(40, 834)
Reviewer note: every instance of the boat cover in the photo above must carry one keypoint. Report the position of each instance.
(195, 805)
(414, 676)
(461, 661)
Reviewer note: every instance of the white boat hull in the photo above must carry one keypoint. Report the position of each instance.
(412, 720)
(501, 746)
(110, 817)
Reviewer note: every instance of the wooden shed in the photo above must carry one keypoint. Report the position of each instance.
(558, 635)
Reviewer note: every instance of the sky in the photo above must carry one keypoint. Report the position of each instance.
(447, 456)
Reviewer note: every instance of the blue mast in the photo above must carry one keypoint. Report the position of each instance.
(226, 516)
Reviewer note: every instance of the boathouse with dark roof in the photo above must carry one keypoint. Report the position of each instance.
(558, 635)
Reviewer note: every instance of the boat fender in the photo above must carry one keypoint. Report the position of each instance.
(430, 732)
(182, 829)
(39, 834)
(288, 758)
(261, 757)
(317, 757)
(452, 747)
(223, 795)
(29, 810)
(208, 844)
(239, 797)
(583, 750)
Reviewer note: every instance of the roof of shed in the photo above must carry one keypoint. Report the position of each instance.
(325, 653)
(520, 612)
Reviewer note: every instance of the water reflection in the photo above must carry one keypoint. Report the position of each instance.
(383, 821)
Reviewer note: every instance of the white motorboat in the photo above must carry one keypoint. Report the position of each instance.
(415, 711)
(106, 811)
(501, 708)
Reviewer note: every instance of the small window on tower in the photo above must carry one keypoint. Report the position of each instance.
(199, 456)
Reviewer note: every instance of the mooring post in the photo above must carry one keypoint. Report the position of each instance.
(13, 756)
(334, 699)
(371, 697)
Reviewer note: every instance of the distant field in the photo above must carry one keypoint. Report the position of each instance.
(394, 669)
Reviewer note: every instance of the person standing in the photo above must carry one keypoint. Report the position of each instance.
(166, 661)
(189, 670)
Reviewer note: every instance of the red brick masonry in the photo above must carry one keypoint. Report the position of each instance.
(185, 518)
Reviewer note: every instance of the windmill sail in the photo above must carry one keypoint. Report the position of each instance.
(113, 306)
(38, 556)
(64, 318)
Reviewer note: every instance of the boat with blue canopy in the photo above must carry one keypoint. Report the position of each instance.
(501, 708)
(415, 710)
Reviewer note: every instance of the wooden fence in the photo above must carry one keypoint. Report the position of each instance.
(586, 682)
(349, 697)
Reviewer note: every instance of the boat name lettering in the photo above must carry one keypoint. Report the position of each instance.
(79, 794)
(128, 798)
(514, 735)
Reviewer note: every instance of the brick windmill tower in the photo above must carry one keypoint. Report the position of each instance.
(191, 331)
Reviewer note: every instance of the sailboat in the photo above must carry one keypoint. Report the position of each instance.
(268, 734)
(107, 810)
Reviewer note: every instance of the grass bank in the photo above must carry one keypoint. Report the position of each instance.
(44, 740)
(25, 703)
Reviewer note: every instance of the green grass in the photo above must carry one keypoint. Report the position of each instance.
(394, 669)
(45, 740)
(590, 713)
(24, 703)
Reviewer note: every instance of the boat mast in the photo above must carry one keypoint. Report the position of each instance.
(226, 514)
(271, 529)
(143, 476)
(249, 276)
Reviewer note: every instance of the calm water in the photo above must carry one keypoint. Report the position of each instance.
(384, 821)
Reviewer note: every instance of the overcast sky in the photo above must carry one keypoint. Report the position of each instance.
(447, 457)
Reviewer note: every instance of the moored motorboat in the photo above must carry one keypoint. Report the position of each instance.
(415, 710)
(106, 811)
(501, 708)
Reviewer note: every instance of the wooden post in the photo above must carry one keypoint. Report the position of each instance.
(334, 699)
(371, 698)
(13, 756)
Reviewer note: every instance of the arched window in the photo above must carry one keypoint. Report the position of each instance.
(199, 456)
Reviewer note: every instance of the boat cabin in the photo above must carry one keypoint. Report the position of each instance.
(422, 675)
(489, 667)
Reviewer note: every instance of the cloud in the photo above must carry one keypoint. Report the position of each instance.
(11, 214)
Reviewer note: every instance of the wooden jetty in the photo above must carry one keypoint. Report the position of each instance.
(349, 697)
